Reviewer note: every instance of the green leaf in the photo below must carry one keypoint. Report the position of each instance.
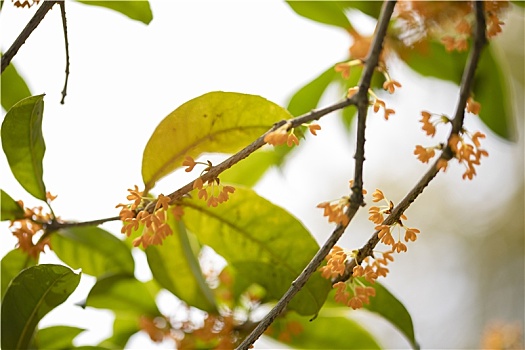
(324, 332)
(12, 263)
(307, 98)
(10, 209)
(390, 308)
(432, 60)
(137, 10)
(124, 326)
(326, 12)
(215, 122)
(519, 3)
(176, 268)
(13, 87)
(123, 293)
(251, 169)
(23, 144)
(263, 242)
(30, 296)
(56, 337)
(492, 88)
(94, 250)
(370, 8)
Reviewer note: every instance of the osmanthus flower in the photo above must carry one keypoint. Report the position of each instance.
(353, 295)
(449, 22)
(213, 192)
(344, 67)
(377, 212)
(157, 328)
(281, 136)
(467, 153)
(335, 265)
(378, 103)
(314, 128)
(431, 120)
(473, 106)
(335, 210)
(424, 154)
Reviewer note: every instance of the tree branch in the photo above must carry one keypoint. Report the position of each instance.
(480, 40)
(357, 196)
(26, 32)
(66, 42)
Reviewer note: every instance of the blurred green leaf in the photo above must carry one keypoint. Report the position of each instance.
(93, 249)
(56, 337)
(432, 60)
(137, 10)
(214, 122)
(492, 89)
(30, 296)
(307, 98)
(176, 268)
(520, 3)
(10, 209)
(370, 8)
(23, 144)
(251, 169)
(124, 326)
(327, 12)
(13, 87)
(391, 309)
(123, 293)
(324, 332)
(263, 242)
(12, 263)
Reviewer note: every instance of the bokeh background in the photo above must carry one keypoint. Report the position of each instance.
(464, 273)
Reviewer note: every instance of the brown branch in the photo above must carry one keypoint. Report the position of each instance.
(66, 42)
(215, 171)
(26, 32)
(357, 196)
(480, 41)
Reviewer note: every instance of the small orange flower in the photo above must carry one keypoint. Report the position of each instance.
(162, 202)
(50, 197)
(190, 163)
(336, 263)
(424, 154)
(313, 128)
(410, 234)
(292, 139)
(378, 195)
(473, 106)
(178, 212)
(352, 91)
(390, 85)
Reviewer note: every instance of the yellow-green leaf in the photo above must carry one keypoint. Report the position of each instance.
(13, 87)
(220, 122)
(137, 10)
(10, 209)
(263, 242)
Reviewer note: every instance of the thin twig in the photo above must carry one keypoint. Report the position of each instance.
(215, 171)
(356, 199)
(66, 42)
(26, 32)
(480, 40)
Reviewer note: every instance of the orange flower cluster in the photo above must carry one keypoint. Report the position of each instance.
(213, 192)
(450, 22)
(336, 263)
(154, 226)
(356, 297)
(430, 121)
(385, 231)
(372, 268)
(281, 136)
(466, 153)
(29, 227)
(217, 327)
(335, 210)
(378, 103)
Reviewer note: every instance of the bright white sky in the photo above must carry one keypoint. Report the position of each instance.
(126, 77)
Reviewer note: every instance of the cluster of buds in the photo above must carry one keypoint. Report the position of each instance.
(286, 134)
